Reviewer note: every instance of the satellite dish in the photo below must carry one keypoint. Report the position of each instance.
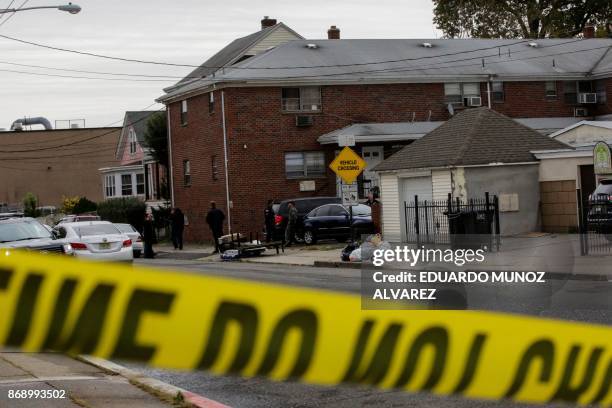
(451, 110)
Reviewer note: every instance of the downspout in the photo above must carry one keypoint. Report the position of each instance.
(227, 193)
(489, 92)
(171, 178)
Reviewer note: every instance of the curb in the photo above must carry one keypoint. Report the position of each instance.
(159, 388)
(338, 264)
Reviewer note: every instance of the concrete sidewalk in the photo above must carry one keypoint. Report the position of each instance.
(190, 251)
(85, 382)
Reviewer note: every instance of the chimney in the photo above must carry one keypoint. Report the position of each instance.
(267, 22)
(588, 31)
(333, 33)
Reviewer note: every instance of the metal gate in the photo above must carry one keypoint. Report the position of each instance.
(595, 224)
(439, 221)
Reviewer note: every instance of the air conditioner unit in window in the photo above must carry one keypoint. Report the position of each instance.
(587, 98)
(303, 120)
(473, 101)
(581, 112)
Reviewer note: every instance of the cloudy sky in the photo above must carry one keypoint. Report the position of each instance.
(184, 32)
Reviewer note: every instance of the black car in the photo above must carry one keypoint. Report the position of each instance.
(334, 221)
(30, 234)
(600, 208)
(304, 206)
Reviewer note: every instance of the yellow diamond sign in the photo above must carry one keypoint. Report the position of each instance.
(348, 165)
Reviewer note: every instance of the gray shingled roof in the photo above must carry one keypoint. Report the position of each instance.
(228, 54)
(407, 60)
(473, 137)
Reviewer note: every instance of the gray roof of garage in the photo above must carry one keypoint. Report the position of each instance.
(477, 136)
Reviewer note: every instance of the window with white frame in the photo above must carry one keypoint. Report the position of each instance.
(132, 141)
(140, 183)
(186, 173)
(551, 89)
(497, 91)
(126, 185)
(304, 99)
(184, 112)
(459, 93)
(304, 164)
(109, 185)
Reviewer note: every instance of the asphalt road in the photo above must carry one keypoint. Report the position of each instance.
(585, 301)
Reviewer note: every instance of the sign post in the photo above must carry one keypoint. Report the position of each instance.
(348, 165)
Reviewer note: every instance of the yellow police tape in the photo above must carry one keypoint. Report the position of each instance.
(186, 321)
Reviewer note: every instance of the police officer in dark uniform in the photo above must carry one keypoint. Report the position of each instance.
(269, 220)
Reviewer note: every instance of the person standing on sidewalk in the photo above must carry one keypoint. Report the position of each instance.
(291, 223)
(269, 220)
(148, 236)
(177, 220)
(214, 219)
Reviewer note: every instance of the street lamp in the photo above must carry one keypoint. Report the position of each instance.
(70, 8)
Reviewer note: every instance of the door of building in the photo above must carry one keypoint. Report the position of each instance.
(587, 181)
(372, 155)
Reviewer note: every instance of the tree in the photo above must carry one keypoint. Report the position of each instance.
(156, 138)
(521, 18)
(30, 202)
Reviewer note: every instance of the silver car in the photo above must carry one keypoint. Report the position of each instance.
(134, 235)
(96, 240)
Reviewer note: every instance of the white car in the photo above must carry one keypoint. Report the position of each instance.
(134, 235)
(96, 240)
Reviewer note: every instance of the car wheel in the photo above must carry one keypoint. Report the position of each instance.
(136, 254)
(309, 237)
(299, 238)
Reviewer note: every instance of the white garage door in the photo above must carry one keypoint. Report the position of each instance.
(420, 186)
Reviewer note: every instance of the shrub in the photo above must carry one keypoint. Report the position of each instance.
(30, 202)
(84, 206)
(68, 204)
(124, 210)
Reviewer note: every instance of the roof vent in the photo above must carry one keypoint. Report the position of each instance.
(427, 45)
(312, 46)
(533, 44)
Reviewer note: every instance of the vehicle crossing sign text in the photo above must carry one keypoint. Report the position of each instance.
(348, 165)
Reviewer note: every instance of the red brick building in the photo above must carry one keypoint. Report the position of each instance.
(267, 127)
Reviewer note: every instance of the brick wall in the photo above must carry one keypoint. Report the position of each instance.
(559, 208)
(259, 134)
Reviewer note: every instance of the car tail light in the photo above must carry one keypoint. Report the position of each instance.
(127, 243)
(278, 219)
(78, 246)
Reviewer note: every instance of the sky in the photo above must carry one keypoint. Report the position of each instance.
(184, 32)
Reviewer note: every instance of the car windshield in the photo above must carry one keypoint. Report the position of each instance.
(96, 229)
(21, 231)
(125, 228)
(604, 188)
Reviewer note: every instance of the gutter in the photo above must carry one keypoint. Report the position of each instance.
(170, 171)
(225, 161)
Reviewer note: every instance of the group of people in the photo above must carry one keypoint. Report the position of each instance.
(215, 218)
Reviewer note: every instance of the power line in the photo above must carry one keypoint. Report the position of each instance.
(91, 54)
(83, 77)
(7, 7)
(97, 72)
(12, 15)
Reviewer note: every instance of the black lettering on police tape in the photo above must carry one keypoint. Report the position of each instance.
(246, 317)
(141, 301)
(437, 337)
(24, 310)
(567, 392)
(306, 322)
(541, 349)
(379, 365)
(60, 311)
(471, 364)
(88, 328)
(606, 386)
(5, 277)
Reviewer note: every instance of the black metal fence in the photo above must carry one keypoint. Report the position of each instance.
(595, 224)
(442, 221)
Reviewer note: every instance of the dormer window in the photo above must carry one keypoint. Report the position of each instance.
(133, 142)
